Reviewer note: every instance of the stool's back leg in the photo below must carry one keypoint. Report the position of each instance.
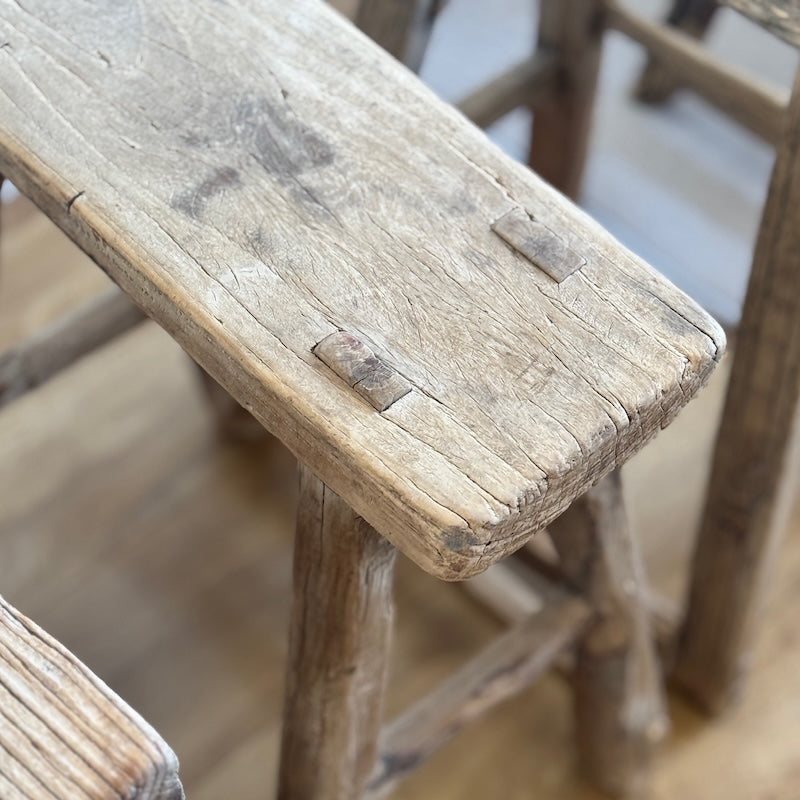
(693, 17)
(747, 498)
(338, 646)
(401, 27)
(561, 124)
(619, 702)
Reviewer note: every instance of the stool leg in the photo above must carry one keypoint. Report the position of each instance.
(619, 701)
(693, 17)
(338, 646)
(401, 27)
(561, 124)
(233, 420)
(748, 493)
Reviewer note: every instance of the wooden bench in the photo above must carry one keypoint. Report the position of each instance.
(453, 351)
(64, 734)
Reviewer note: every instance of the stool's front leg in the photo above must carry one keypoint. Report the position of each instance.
(338, 647)
(619, 700)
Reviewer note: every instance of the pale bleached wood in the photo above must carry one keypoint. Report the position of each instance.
(255, 201)
(693, 18)
(56, 347)
(781, 17)
(573, 29)
(620, 712)
(748, 495)
(743, 97)
(529, 84)
(504, 668)
(338, 646)
(64, 734)
(401, 27)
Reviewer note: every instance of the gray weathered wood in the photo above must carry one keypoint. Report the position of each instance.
(692, 17)
(573, 29)
(258, 175)
(55, 348)
(338, 645)
(757, 106)
(782, 17)
(529, 84)
(504, 668)
(619, 704)
(748, 493)
(64, 734)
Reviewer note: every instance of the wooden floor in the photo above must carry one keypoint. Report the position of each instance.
(160, 554)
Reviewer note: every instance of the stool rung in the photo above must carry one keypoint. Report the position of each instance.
(58, 346)
(759, 107)
(503, 668)
(526, 84)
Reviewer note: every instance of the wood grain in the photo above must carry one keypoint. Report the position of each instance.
(338, 648)
(749, 491)
(781, 17)
(253, 202)
(740, 95)
(64, 734)
(620, 708)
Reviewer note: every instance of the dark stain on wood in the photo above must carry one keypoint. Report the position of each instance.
(284, 144)
(356, 364)
(193, 202)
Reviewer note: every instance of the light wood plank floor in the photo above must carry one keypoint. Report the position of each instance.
(160, 554)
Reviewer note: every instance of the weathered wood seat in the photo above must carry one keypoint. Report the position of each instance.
(242, 174)
(64, 734)
(453, 351)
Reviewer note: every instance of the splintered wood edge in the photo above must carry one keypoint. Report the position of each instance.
(356, 364)
(541, 246)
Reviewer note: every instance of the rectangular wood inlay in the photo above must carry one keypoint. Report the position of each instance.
(538, 244)
(355, 363)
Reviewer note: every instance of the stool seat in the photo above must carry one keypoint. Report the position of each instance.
(446, 341)
(64, 734)
(781, 17)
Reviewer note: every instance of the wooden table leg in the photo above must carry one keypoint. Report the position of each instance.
(693, 17)
(573, 29)
(338, 646)
(748, 492)
(619, 702)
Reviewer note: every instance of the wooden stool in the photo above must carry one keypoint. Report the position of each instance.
(65, 734)
(453, 351)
